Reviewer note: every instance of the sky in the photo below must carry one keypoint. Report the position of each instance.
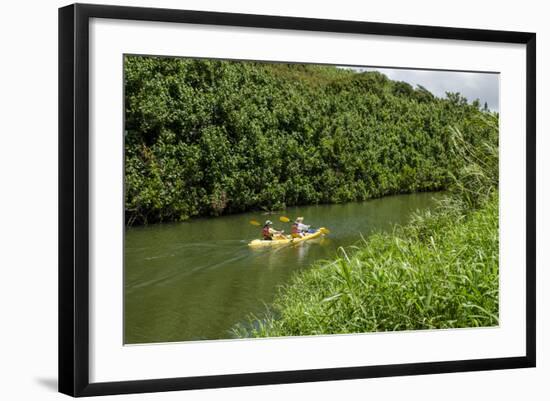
(472, 85)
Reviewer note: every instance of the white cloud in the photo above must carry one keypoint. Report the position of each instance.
(472, 85)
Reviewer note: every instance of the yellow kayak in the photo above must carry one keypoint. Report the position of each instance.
(287, 240)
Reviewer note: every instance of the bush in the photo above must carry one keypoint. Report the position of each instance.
(207, 137)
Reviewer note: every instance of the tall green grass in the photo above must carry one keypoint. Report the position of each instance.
(439, 271)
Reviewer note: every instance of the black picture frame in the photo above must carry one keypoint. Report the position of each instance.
(74, 198)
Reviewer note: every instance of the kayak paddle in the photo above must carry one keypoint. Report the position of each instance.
(255, 223)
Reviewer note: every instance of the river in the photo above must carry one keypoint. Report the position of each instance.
(196, 280)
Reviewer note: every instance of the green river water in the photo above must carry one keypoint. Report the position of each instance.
(196, 280)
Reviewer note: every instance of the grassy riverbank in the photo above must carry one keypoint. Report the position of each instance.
(439, 271)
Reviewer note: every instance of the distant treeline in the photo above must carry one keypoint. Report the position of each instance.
(206, 137)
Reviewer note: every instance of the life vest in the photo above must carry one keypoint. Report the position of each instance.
(265, 232)
(295, 229)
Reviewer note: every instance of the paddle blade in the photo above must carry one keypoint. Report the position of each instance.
(284, 219)
(255, 223)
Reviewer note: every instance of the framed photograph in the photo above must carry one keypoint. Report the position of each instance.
(251, 199)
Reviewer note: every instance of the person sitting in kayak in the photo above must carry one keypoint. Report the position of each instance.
(299, 229)
(268, 232)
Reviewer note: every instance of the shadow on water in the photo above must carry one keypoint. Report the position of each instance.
(197, 279)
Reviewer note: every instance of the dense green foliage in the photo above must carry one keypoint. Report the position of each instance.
(439, 271)
(208, 137)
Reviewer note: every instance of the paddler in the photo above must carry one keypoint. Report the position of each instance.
(299, 229)
(268, 232)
